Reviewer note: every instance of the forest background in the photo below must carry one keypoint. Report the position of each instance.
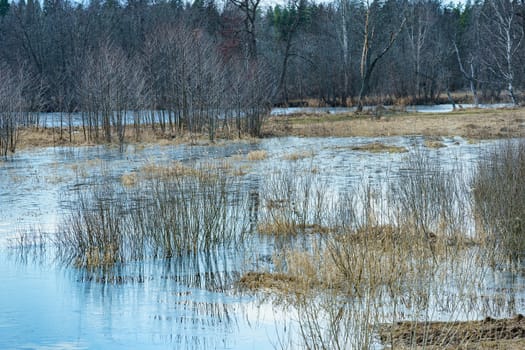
(206, 63)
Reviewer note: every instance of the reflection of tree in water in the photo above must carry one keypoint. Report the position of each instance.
(253, 206)
(189, 294)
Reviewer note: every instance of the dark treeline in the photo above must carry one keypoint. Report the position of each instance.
(207, 65)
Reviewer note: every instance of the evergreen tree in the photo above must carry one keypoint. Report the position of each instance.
(4, 7)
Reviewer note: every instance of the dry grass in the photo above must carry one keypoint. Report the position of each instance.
(166, 171)
(284, 227)
(295, 156)
(33, 137)
(361, 261)
(472, 123)
(499, 190)
(255, 281)
(129, 180)
(239, 170)
(50, 137)
(377, 147)
(384, 259)
(436, 144)
(257, 155)
(277, 227)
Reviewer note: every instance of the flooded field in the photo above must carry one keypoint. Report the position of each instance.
(54, 120)
(163, 293)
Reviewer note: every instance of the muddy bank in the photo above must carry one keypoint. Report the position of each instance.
(508, 333)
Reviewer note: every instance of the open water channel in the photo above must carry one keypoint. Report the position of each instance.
(176, 303)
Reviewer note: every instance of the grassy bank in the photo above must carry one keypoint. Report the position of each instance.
(31, 137)
(472, 124)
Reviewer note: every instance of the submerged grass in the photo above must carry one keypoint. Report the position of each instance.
(295, 156)
(398, 251)
(499, 195)
(292, 201)
(377, 262)
(433, 142)
(164, 214)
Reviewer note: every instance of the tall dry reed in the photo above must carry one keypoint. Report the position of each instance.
(499, 197)
(164, 214)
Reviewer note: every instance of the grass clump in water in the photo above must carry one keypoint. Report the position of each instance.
(392, 253)
(257, 155)
(499, 197)
(489, 333)
(161, 216)
(378, 147)
(434, 143)
(295, 156)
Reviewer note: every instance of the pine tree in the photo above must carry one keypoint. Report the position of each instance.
(4, 7)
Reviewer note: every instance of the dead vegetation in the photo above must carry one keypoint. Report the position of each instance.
(472, 124)
(295, 156)
(373, 255)
(377, 147)
(386, 265)
(257, 155)
(265, 280)
(32, 137)
(434, 142)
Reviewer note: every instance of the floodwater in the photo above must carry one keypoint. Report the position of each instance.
(441, 108)
(75, 119)
(185, 302)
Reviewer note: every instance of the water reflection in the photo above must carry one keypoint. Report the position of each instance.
(191, 300)
(442, 108)
(187, 304)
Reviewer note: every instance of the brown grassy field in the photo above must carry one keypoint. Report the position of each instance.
(49, 137)
(472, 124)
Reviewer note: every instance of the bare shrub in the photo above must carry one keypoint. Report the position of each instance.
(390, 253)
(160, 215)
(11, 104)
(499, 196)
(294, 201)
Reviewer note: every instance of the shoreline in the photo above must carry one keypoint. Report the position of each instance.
(476, 124)
(471, 124)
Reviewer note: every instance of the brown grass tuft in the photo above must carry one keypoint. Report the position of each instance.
(298, 155)
(267, 281)
(257, 155)
(378, 147)
(434, 142)
(174, 169)
(129, 180)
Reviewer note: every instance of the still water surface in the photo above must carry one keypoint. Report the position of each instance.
(183, 303)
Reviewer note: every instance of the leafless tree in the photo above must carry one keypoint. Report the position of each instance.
(504, 37)
(11, 106)
(249, 10)
(110, 89)
(372, 51)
